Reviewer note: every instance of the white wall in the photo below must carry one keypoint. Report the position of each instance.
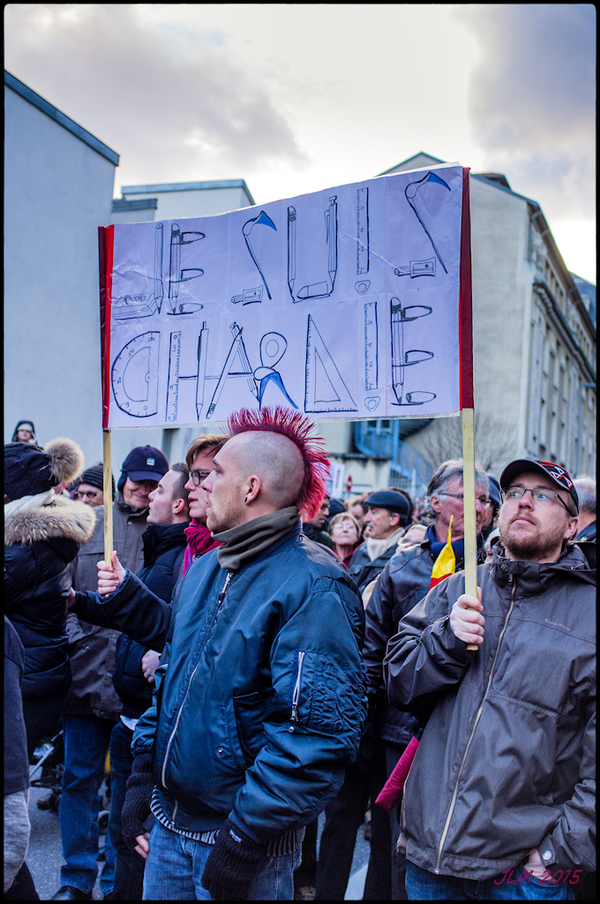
(58, 190)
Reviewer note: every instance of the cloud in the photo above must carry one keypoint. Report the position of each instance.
(173, 99)
(532, 99)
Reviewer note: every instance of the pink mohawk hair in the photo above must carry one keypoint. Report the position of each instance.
(298, 428)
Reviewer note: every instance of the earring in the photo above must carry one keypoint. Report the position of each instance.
(245, 500)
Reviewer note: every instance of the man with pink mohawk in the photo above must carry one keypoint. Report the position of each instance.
(260, 696)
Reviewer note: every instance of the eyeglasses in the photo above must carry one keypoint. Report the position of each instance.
(198, 477)
(484, 500)
(539, 494)
(82, 494)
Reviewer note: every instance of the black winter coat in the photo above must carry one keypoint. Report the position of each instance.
(39, 545)
(164, 548)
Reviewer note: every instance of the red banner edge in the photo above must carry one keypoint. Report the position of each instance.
(105, 263)
(465, 331)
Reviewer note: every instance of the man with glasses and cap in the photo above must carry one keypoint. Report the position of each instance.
(500, 799)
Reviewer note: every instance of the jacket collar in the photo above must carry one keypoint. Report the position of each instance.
(244, 543)
(159, 538)
(535, 576)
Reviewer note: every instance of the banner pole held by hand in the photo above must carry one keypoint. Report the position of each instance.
(470, 523)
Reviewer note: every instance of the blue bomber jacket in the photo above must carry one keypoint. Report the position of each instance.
(260, 694)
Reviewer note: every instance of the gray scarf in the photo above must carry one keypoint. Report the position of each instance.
(245, 542)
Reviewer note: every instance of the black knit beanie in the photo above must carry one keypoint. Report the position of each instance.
(94, 477)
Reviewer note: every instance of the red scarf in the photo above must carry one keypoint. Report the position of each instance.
(199, 541)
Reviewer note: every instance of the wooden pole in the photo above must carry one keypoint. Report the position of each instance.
(108, 509)
(470, 523)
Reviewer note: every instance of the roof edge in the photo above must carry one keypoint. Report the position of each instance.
(62, 119)
(188, 186)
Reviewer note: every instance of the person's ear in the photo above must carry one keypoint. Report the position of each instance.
(571, 530)
(253, 487)
(177, 506)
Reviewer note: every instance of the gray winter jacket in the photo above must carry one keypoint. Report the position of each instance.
(507, 760)
(91, 647)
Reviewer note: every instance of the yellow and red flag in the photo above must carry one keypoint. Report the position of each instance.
(445, 564)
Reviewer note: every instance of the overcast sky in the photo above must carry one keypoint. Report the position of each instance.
(297, 98)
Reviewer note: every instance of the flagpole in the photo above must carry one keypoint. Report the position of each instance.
(470, 522)
(467, 396)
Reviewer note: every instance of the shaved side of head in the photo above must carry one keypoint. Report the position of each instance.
(276, 460)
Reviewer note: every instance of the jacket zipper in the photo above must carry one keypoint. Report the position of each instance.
(172, 736)
(475, 723)
(296, 693)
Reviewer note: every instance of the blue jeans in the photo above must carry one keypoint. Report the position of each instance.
(86, 741)
(421, 885)
(175, 865)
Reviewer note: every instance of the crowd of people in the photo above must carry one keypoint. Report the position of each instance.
(257, 659)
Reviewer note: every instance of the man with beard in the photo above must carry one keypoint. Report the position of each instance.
(260, 692)
(501, 791)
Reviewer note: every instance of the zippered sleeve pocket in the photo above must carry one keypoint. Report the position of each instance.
(321, 696)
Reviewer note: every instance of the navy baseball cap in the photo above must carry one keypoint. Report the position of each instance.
(558, 475)
(143, 463)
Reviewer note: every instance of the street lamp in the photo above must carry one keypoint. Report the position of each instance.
(581, 386)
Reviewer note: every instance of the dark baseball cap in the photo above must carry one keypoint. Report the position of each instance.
(390, 500)
(557, 474)
(144, 463)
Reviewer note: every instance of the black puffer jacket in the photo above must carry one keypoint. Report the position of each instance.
(39, 544)
(403, 582)
(164, 547)
(507, 759)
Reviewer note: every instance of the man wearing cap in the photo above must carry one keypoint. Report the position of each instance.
(90, 488)
(93, 705)
(501, 793)
(388, 514)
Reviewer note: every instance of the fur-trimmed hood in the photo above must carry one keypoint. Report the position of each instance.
(62, 518)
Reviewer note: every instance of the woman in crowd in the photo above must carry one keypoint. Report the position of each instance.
(345, 533)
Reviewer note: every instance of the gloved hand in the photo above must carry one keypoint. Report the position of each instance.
(136, 808)
(232, 864)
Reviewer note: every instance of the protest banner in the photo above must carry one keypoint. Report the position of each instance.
(342, 303)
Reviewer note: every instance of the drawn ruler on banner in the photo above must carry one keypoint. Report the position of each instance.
(173, 380)
(371, 337)
(362, 231)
